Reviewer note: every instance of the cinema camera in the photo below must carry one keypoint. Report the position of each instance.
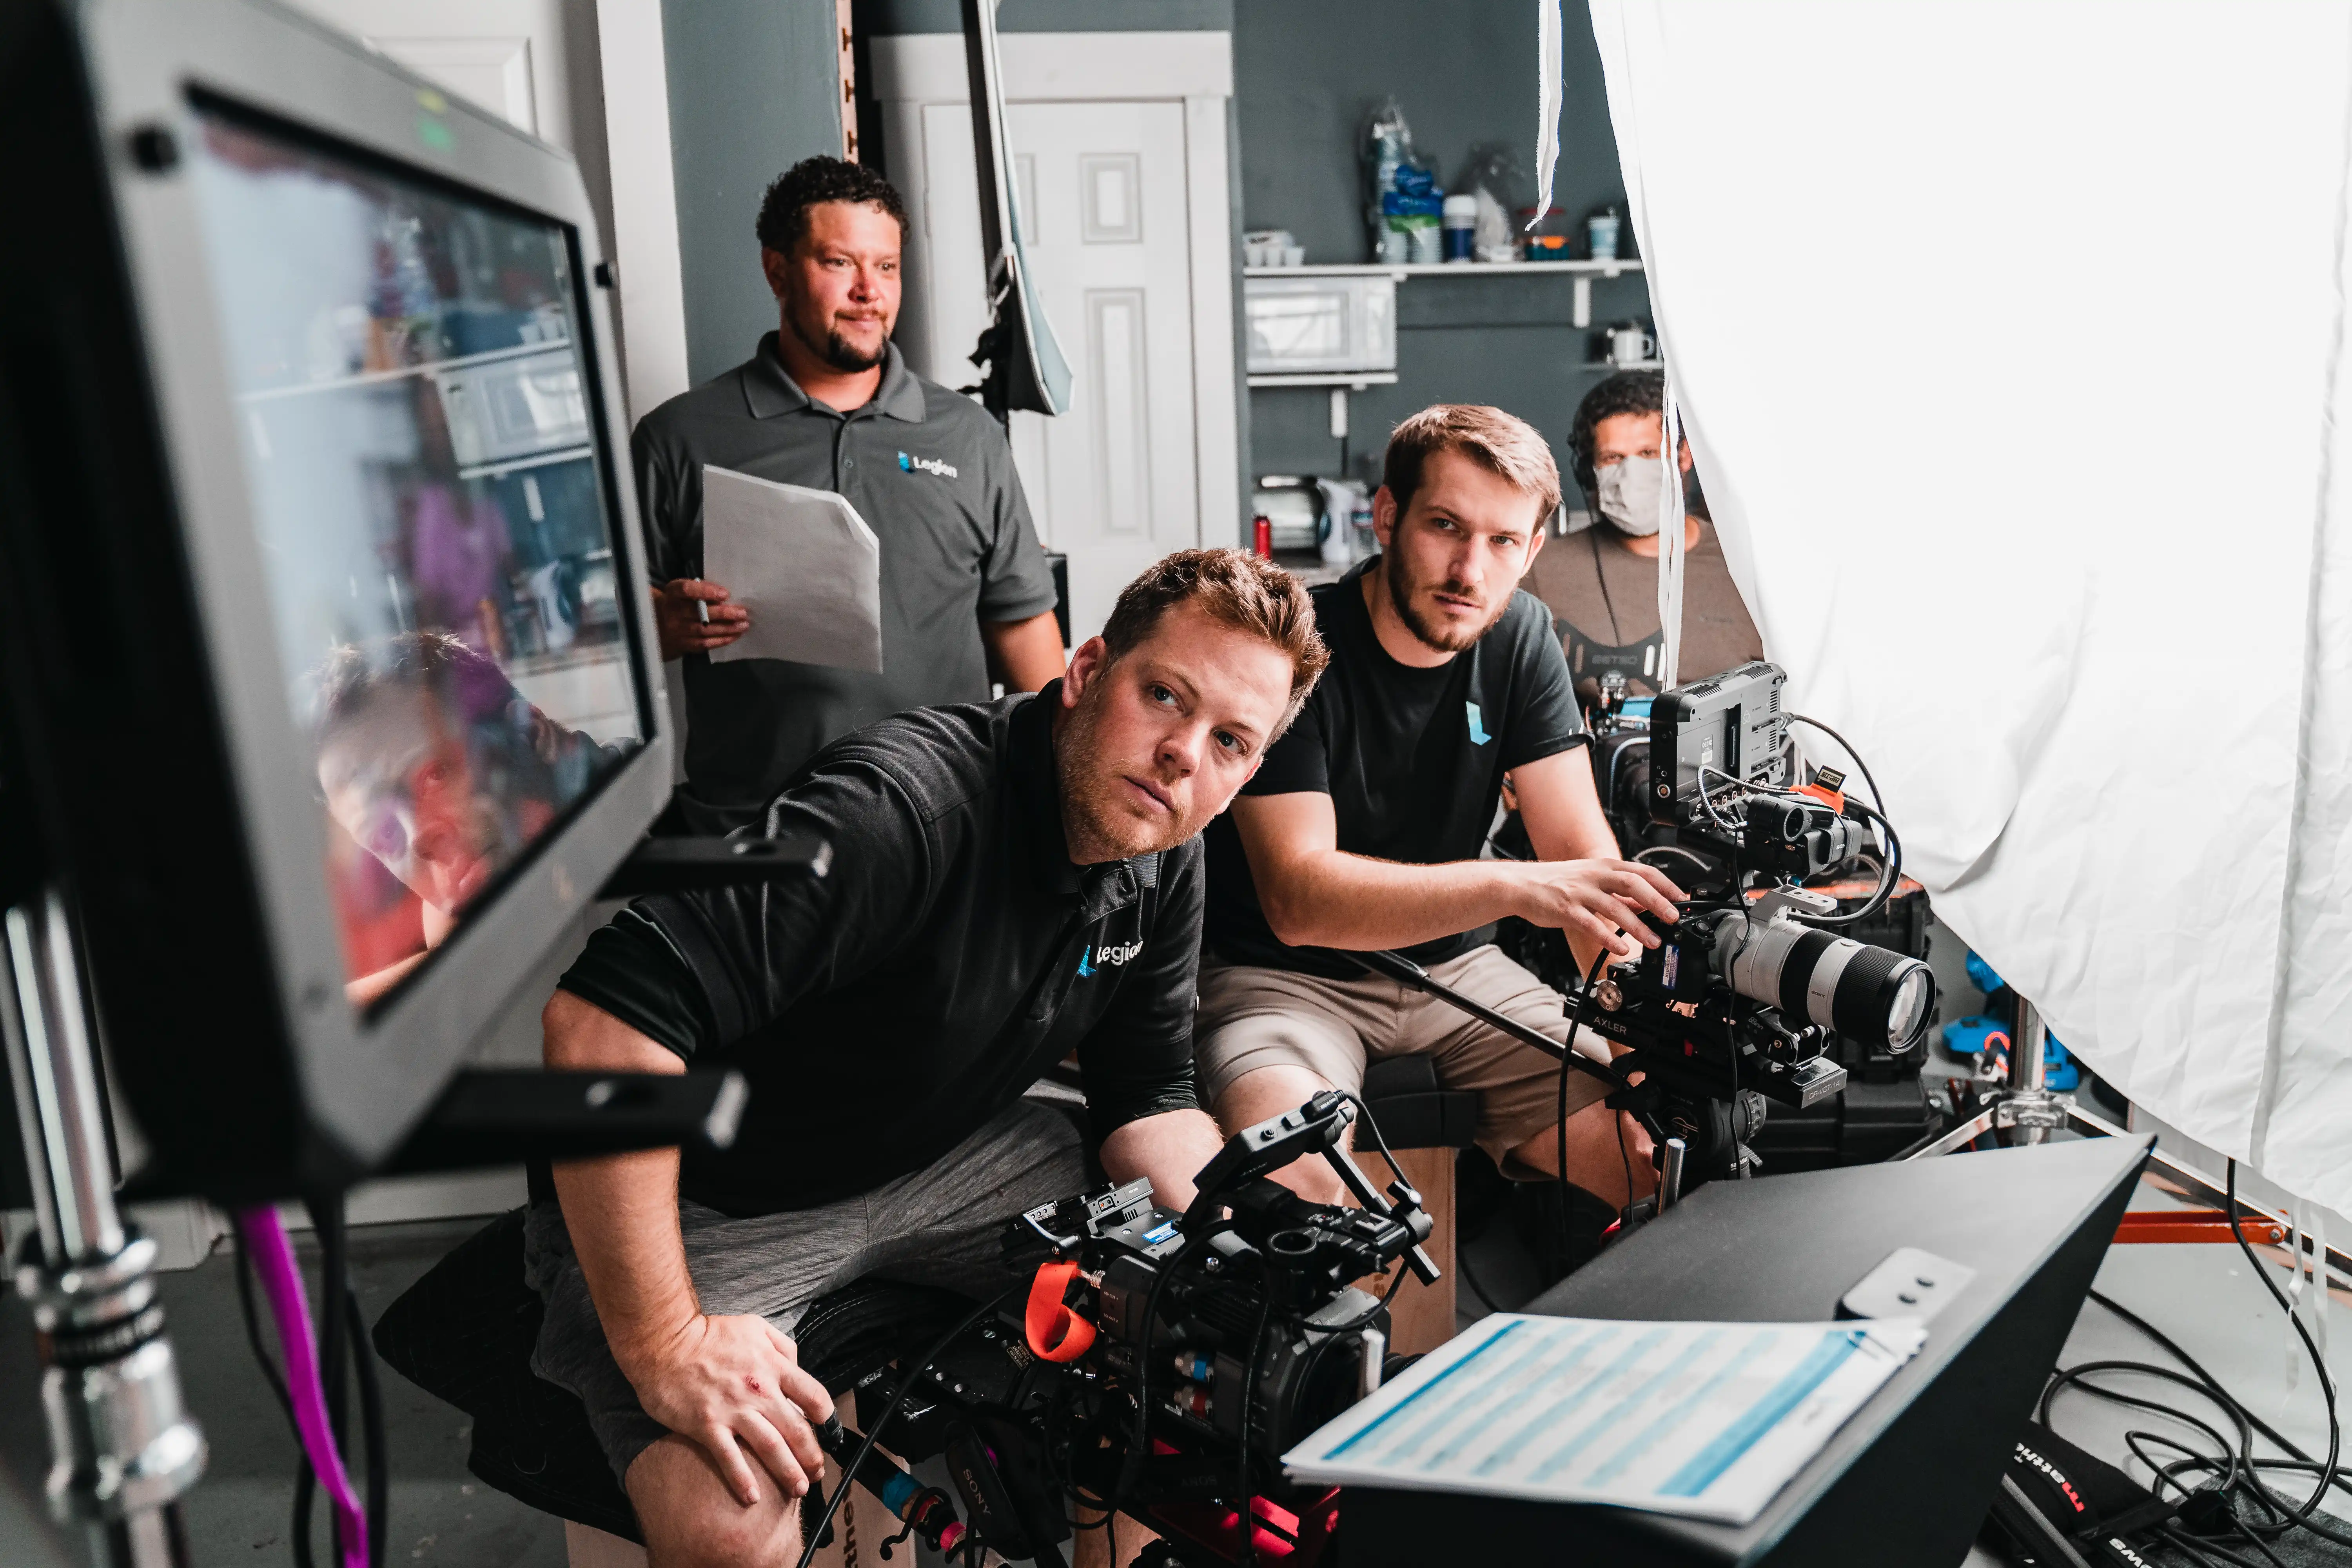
(1200, 1347)
(1737, 1007)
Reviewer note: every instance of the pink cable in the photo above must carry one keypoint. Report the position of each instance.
(263, 1239)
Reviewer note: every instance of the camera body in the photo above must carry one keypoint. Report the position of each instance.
(1742, 1004)
(1200, 1347)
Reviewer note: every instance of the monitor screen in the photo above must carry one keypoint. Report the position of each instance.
(418, 425)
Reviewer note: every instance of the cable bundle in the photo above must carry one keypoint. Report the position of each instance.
(311, 1391)
(2232, 1509)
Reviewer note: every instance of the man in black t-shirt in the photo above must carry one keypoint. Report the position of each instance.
(1364, 829)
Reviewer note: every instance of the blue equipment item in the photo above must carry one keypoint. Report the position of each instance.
(1969, 1037)
(2060, 1070)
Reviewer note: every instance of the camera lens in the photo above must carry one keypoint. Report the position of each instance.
(1863, 991)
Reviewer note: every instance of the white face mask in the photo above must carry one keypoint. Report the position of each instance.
(1629, 494)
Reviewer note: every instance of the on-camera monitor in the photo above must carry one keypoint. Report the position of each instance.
(416, 420)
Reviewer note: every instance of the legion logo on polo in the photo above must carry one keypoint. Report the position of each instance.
(926, 465)
(1109, 956)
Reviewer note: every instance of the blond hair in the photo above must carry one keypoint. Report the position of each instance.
(1501, 442)
(1235, 589)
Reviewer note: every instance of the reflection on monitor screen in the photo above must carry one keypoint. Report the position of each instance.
(418, 434)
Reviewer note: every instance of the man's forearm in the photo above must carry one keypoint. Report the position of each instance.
(1169, 1148)
(622, 1212)
(1332, 899)
(622, 1209)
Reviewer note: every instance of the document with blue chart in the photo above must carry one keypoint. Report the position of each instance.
(1704, 1420)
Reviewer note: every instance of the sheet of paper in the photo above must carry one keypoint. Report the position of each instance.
(1704, 1420)
(803, 562)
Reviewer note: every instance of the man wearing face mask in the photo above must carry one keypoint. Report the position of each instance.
(1602, 587)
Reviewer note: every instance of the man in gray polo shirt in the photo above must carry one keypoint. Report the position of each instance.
(828, 402)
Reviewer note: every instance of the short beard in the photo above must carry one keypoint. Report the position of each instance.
(840, 352)
(1096, 823)
(1429, 636)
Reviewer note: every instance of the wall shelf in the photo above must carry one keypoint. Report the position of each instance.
(1354, 381)
(1582, 273)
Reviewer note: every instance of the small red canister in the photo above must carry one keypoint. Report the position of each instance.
(1264, 544)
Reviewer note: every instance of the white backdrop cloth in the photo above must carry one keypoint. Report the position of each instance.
(2007, 337)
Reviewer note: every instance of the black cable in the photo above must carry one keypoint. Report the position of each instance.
(1364, 1114)
(874, 1430)
(269, 1373)
(1560, 1123)
(1369, 1313)
(2318, 1361)
(1139, 1440)
(1877, 796)
(2235, 1479)
(379, 1458)
(1890, 872)
(2213, 1385)
(276, 1382)
(327, 1217)
(1249, 1388)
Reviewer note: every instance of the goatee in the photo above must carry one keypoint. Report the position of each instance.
(1429, 636)
(841, 354)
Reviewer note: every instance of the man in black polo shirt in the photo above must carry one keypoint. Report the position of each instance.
(1012, 882)
(828, 402)
(1364, 829)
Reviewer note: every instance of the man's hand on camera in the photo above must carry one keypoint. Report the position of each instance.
(1599, 901)
(680, 624)
(734, 1384)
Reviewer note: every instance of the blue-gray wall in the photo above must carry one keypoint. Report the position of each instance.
(752, 85)
(1307, 74)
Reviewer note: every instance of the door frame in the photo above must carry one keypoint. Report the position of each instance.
(914, 70)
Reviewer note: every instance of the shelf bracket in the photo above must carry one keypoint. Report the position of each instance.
(1580, 311)
(1340, 412)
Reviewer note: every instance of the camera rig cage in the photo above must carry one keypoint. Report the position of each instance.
(1160, 1364)
(1739, 1004)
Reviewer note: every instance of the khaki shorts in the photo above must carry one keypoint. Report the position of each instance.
(1253, 1017)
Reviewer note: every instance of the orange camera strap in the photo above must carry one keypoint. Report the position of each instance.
(1055, 1333)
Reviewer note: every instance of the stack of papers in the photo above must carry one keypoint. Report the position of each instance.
(803, 562)
(1703, 1420)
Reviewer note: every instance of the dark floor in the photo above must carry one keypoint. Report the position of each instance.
(440, 1514)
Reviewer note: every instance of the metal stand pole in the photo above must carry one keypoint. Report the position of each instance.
(124, 1446)
(2034, 1110)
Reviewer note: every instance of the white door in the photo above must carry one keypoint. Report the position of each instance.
(506, 56)
(1102, 189)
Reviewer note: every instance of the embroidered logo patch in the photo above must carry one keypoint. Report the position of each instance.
(1478, 736)
(926, 465)
(1093, 960)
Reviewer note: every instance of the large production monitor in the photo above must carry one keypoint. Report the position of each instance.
(327, 654)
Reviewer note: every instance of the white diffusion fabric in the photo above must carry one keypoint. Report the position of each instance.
(2005, 336)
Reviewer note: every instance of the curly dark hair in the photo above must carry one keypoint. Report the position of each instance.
(783, 211)
(1627, 392)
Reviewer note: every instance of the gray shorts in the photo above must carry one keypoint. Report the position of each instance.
(941, 1226)
(1253, 1017)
